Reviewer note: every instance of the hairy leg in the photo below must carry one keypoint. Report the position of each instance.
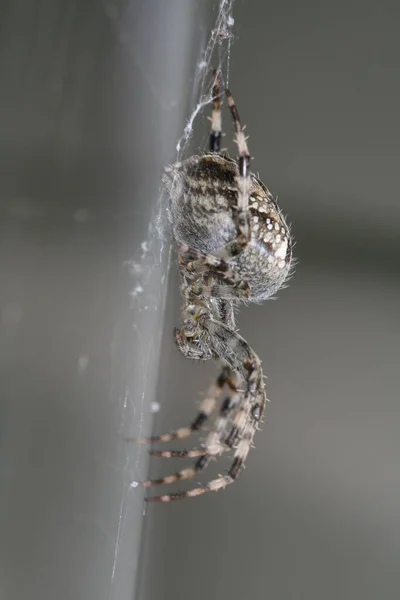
(207, 407)
(243, 182)
(237, 353)
(212, 445)
(216, 121)
(209, 276)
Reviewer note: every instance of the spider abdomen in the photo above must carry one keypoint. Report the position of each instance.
(265, 262)
(203, 199)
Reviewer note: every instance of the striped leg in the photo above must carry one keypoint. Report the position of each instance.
(243, 183)
(244, 156)
(214, 268)
(216, 121)
(212, 443)
(230, 290)
(248, 415)
(212, 448)
(207, 407)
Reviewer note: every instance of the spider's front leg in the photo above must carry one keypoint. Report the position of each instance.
(207, 407)
(212, 446)
(249, 405)
(233, 349)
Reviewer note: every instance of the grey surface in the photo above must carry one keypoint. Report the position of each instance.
(91, 107)
(316, 514)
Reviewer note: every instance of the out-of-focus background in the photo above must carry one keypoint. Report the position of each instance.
(94, 97)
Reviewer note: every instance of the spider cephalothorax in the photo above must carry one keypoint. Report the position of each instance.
(233, 245)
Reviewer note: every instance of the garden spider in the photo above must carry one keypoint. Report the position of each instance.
(233, 246)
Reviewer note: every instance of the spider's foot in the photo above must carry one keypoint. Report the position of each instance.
(178, 453)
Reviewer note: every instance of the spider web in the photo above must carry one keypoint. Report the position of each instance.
(148, 272)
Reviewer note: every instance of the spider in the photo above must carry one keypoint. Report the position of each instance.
(233, 246)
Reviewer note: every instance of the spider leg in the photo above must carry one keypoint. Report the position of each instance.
(215, 444)
(243, 183)
(212, 447)
(244, 156)
(194, 452)
(242, 216)
(218, 483)
(232, 348)
(215, 269)
(216, 123)
(207, 407)
(195, 262)
(187, 473)
(229, 290)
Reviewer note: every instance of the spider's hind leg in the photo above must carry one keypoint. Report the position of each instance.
(216, 121)
(243, 182)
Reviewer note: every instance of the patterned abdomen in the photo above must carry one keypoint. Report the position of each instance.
(203, 199)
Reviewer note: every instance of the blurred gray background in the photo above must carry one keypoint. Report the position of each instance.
(94, 97)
